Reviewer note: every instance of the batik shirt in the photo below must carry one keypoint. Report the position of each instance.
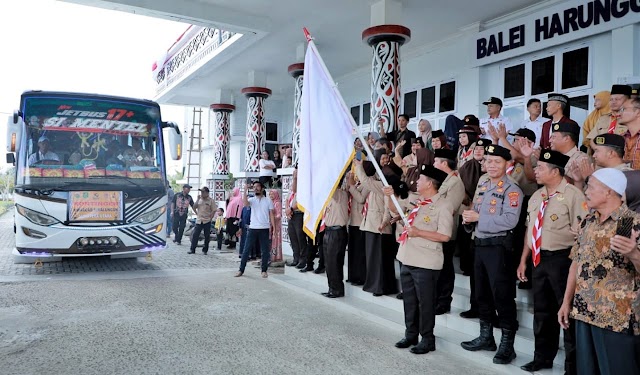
(607, 293)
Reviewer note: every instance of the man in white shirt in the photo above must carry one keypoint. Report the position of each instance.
(535, 121)
(494, 106)
(43, 153)
(260, 228)
(267, 169)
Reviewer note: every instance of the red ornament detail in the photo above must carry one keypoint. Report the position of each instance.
(389, 91)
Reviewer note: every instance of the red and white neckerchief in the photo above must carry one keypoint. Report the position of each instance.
(612, 125)
(536, 235)
(323, 225)
(466, 154)
(293, 195)
(510, 170)
(412, 216)
(365, 208)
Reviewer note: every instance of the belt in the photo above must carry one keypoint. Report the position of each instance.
(555, 253)
(491, 241)
(336, 227)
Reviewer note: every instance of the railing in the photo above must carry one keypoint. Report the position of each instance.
(202, 44)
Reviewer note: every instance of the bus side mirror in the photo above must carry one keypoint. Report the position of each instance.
(175, 140)
(11, 158)
(15, 127)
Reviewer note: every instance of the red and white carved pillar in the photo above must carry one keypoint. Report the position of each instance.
(297, 72)
(221, 131)
(256, 126)
(386, 41)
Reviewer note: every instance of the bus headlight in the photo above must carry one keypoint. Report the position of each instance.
(36, 217)
(150, 216)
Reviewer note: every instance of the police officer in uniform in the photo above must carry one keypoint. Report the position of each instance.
(453, 190)
(496, 209)
(554, 214)
(430, 224)
(335, 240)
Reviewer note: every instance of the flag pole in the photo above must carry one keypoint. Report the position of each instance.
(354, 126)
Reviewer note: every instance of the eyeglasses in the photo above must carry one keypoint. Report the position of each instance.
(632, 108)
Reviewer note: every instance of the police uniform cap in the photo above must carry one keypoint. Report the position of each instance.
(558, 98)
(497, 150)
(437, 133)
(610, 140)
(566, 127)
(445, 154)
(621, 90)
(554, 157)
(493, 100)
(483, 142)
(434, 173)
(525, 133)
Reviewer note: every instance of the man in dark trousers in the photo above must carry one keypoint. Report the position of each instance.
(335, 241)
(494, 214)
(179, 210)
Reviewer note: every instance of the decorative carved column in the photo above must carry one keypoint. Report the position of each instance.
(256, 126)
(222, 113)
(385, 68)
(297, 72)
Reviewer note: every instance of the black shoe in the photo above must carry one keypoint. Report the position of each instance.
(442, 309)
(357, 283)
(292, 264)
(506, 353)
(537, 365)
(174, 241)
(469, 314)
(423, 347)
(377, 294)
(178, 243)
(334, 295)
(399, 296)
(524, 285)
(326, 293)
(484, 342)
(405, 343)
(304, 270)
(319, 270)
(191, 252)
(301, 265)
(205, 252)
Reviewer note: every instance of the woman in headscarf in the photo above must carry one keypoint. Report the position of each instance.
(467, 137)
(600, 107)
(438, 140)
(276, 236)
(424, 133)
(234, 211)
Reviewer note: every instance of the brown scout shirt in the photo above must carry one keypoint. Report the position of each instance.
(435, 217)
(377, 210)
(602, 127)
(520, 178)
(337, 211)
(206, 207)
(563, 214)
(453, 190)
(358, 196)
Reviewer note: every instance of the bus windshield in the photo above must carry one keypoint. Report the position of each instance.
(91, 141)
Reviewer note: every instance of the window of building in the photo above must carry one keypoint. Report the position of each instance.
(428, 102)
(366, 113)
(514, 81)
(410, 101)
(447, 96)
(543, 75)
(272, 132)
(575, 68)
(355, 113)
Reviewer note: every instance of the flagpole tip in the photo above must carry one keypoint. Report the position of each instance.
(307, 34)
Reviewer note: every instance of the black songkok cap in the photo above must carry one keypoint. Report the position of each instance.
(566, 127)
(497, 150)
(610, 140)
(445, 154)
(433, 172)
(621, 89)
(554, 157)
(437, 133)
(483, 142)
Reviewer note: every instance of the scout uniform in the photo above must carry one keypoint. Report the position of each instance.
(356, 255)
(334, 243)
(380, 271)
(615, 142)
(297, 237)
(466, 154)
(499, 204)
(453, 190)
(205, 209)
(608, 123)
(421, 261)
(552, 217)
(575, 156)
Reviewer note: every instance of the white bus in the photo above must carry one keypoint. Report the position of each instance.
(90, 175)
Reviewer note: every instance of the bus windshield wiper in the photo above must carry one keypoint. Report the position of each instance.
(34, 189)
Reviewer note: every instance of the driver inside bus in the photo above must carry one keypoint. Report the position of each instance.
(43, 154)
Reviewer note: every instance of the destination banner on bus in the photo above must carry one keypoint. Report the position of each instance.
(95, 206)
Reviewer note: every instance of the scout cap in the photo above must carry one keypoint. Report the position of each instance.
(483, 142)
(525, 133)
(610, 140)
(433, 172)
(444, 153)
(437, 133)
(497, 150)
(493, 100)
(468, 129)
(554, 157)
(566, 127)
(471, 120)
(621, 90)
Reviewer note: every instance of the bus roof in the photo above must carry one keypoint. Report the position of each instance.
(62, 94)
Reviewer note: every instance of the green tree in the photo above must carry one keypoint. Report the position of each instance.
(173, 181)
(7, 183)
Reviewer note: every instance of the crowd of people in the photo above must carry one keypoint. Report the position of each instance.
(526, 206)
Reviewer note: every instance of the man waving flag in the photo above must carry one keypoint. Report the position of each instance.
(326, 139)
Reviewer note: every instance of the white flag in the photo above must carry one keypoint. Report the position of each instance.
(326, 140)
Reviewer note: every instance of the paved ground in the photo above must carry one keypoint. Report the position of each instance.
(182, 314)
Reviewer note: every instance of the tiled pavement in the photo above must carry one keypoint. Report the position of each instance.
(175, 257)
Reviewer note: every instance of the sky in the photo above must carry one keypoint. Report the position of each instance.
(53, 45)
